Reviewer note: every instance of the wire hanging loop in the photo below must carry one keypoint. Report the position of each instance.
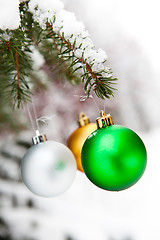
(45, 119)
(83, 98)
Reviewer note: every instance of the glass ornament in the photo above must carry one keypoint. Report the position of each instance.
(48, 167)
(78, 137)
(113, 157)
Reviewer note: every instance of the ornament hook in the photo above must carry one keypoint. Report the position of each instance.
(102, 113)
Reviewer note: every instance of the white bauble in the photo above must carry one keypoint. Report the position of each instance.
(48, 168)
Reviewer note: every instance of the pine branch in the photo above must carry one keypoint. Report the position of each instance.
(58, 63)
(67, 57)
(18, 74)
(93, 80)
(18, 64)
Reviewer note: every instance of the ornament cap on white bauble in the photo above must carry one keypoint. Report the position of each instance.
(39, 138)
(48, 168)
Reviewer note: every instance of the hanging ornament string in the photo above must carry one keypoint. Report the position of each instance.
(35, 123)
(83, 98)
(31, 119)
(95, 103)
(104, 106)
(35, 115)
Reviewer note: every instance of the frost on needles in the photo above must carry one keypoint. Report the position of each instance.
(62, 41)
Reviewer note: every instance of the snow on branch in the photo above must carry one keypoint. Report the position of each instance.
(66, 24)
(9, 14)
(60, 39)
(74, 42)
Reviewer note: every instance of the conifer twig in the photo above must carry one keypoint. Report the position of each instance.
(72, 56)
(17, 73)
(101, 85)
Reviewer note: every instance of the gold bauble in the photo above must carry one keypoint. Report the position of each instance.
(78, 137)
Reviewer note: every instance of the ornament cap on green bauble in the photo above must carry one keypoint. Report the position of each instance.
(113, 157)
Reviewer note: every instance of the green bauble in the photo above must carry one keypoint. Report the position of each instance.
(113, 157)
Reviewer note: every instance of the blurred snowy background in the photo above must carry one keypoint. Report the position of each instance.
(129, 33)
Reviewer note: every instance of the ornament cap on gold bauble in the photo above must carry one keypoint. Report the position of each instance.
(113, 157)
(78, 137)
(83, 120)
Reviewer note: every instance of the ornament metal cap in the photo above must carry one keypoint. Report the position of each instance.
(39, 138)
(83, 119)
(104, 120)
